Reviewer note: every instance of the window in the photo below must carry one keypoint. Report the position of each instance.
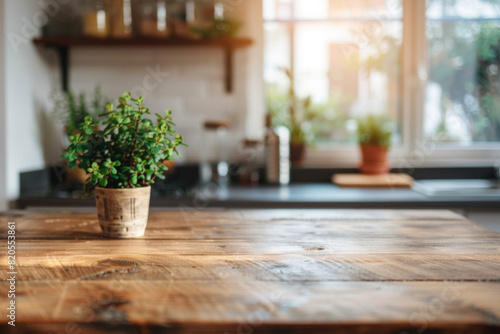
(433, 67)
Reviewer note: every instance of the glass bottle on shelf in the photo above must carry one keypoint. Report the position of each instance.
(121, 18)
(154, 19)
(190, 17)
(205, 15)
(185, 17)
(176, 15)
(214, 167)
(218, 10)
(95, 18)
(209, 22)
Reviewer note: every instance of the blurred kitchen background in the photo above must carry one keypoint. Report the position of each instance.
(430, 67)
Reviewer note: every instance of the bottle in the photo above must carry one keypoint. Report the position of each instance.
(95, 19)
(214, 168)
(121, 18)
(154, 18)
(277, 154)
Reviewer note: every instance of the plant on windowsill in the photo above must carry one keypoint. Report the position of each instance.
(294, 113)
(374, 137)
(124, 153)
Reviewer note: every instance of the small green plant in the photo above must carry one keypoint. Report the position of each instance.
(374, 130)
(218, 29)
(291, 111)
(72, 109)
(123, 149)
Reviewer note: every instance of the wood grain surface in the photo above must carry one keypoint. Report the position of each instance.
(256, 271)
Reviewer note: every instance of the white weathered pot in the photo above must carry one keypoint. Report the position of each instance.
(123, 213)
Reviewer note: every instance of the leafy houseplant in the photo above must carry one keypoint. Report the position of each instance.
(374, 136)
(124, 154)
(72, 109)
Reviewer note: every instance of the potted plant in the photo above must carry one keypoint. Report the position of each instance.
(374, 137)
(71, 110)
(124, 153)
(292, 112)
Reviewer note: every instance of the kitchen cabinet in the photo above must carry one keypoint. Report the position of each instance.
(293, 271)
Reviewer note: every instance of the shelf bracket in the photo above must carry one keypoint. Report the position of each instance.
(63, 53)
(228, 68)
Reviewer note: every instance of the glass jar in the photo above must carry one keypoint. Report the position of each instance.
(121, 18)
(95, 19)
(205, 14)
(210, 20)
(183, 13)
(176, 11)
(154, 21)
(214, 167)
(191, 16)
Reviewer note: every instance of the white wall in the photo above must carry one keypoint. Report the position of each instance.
(256, 105)
(3, 134)
(193, 89)
(29, 78)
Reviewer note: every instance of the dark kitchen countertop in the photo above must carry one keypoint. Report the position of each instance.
(310, 188)
(301, 195)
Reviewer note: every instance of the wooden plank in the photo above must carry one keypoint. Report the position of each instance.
(48, 266)
(373, 181)
(222, 215)
(257, 328)
(413, 306)
(161, 225)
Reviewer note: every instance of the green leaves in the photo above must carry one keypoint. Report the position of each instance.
(149, 174)
(103, 182)
(128, 151)
(375, 130)
(122, 101)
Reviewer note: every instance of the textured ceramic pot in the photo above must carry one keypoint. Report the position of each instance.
(123, 213)
(374, 160)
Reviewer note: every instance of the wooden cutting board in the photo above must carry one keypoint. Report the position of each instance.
(373, 181)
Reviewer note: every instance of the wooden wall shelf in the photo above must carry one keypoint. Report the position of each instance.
(63, 46)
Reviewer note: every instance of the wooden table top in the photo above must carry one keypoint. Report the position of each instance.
(255, 271)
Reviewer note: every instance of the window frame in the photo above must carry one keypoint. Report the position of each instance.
(414, 150)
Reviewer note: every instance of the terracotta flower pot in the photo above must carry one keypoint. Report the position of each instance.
(374, 160)
(76, 174)
(297, 154)
(123, 213)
